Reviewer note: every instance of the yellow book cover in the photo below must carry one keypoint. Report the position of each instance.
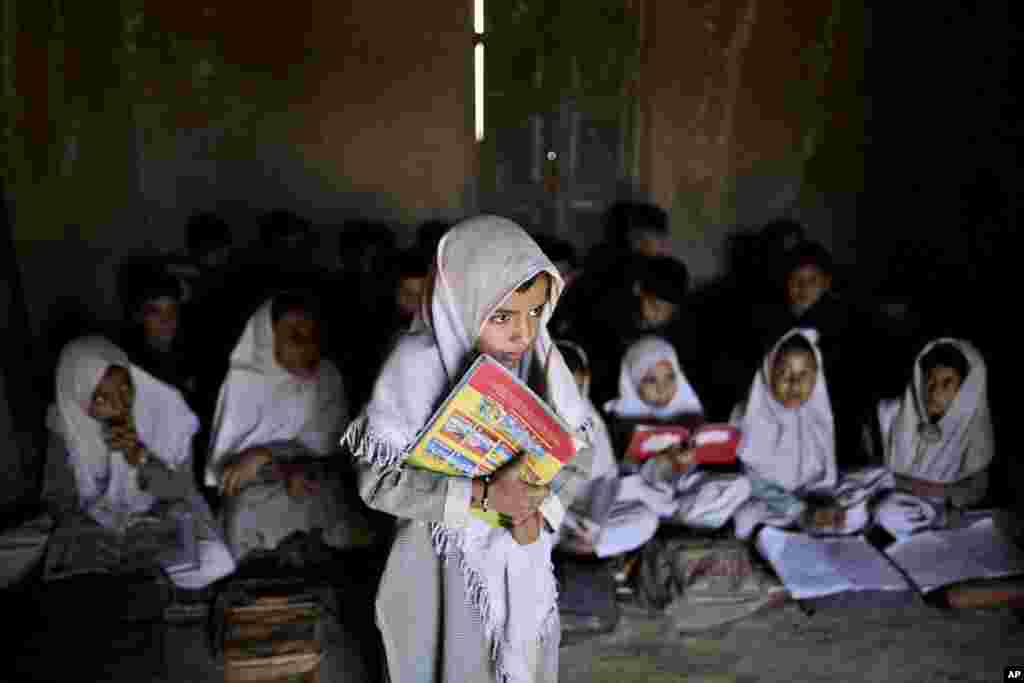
(490, 417)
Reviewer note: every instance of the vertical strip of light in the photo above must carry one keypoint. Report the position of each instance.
(478, 68)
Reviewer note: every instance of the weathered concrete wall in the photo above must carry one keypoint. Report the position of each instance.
(751, 111)
(131, 115)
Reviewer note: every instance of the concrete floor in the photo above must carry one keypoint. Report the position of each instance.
(907, 643)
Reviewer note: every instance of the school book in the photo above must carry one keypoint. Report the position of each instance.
(167, 542)
(713, 443)
(489, 418)
(976, 549)
(814, 567)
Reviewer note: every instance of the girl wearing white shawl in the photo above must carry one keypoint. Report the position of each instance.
(460, 601)
(280, 404)
(152, 461)
(788, 445)
(689, 496)
(939, 450)
(598, 523)
(642, 357)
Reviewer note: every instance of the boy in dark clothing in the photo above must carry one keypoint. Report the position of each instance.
(153, 338)
(653, 302)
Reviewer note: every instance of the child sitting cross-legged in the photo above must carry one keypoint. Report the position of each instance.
(788, 448)
(938, 439)
(653, 390)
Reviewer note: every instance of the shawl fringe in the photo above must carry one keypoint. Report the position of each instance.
(367, 444)
(450, 544)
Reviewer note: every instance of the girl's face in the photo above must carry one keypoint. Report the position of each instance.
(297, 344)
(511, 330)
(113, 397)
(160, 322)
(658, 386)
(793, 377)
(941, 384)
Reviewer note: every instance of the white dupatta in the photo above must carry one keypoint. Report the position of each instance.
(963, 444)
(260, 402)
(479, 263)
(107, 485)
(793, 448)
(643, 355)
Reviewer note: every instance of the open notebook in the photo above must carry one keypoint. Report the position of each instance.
(813, 567)
(166, 542)
(978, 549)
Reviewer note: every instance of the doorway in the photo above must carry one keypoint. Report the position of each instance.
(558, 140)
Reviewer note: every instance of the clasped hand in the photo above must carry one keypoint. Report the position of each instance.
(517, 501)
(680, 457)
(122, 437)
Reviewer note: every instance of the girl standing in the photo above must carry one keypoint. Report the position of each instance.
(460, 601)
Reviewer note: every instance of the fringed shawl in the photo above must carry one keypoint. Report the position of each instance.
(479, 263)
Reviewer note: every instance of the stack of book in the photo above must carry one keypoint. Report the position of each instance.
(272, 635)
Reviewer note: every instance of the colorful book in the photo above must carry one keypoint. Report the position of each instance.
(489, 418)
(713, 443)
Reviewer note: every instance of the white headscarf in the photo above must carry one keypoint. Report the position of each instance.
(107, 484)
(260, 402)
(794, 448)
(963, 444)
(479, 263)
(643, 355)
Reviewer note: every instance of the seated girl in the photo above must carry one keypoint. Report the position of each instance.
(280, 413)
(597, 523)
(938, 438)
(788, 448)
(652, 390)
(128, 440)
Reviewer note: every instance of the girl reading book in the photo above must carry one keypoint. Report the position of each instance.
(280, 412)
(460, 600)
(938, 439)
(653, 390)
(128, 439)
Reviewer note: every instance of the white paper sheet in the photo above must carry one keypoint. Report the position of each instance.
(813, 567)
(937, 558)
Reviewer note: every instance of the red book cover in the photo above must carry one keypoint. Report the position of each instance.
(713, 443)
(716, 444)
(649, 440)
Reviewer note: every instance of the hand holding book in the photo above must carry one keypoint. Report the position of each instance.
(493, 425)
(511, 495)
